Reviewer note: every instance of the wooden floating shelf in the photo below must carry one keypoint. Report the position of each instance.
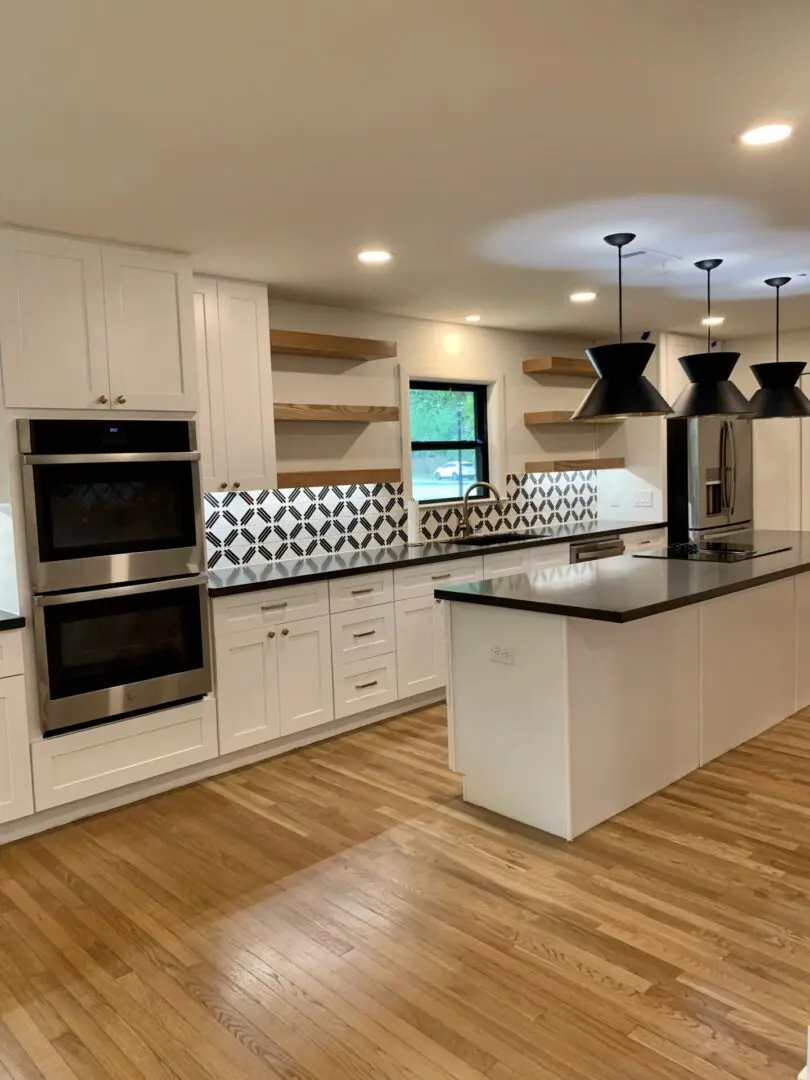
(355, 414)
(533, 419)
(574, 465)
(330, 346)
(565, 366)
(326, 477)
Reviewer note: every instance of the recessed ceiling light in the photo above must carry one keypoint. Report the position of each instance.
(713, 320)
(472, 318)
(374, 256)
(582, 297)
(766, 134)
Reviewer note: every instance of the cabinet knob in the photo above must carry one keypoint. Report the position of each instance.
(236, 484)
(121, 399)
(271, 633)
(103, 399)
(285, 631)
(223, 485)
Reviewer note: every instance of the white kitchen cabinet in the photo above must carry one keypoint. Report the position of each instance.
(541, 558)
(237, 431)
(247, 688)
(305, 675)
(360, 634)
(16, 793)
(365, 684)
(53, 333)
(505, 563)
(645, 538)
(150, 329)
(416, 581)
(421, 663)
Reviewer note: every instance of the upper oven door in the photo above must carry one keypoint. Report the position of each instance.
(94, 519)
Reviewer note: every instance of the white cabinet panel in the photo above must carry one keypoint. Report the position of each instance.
(82, 763)
(52, 327)
(150, 329)
(247, 387)
(423, 580)
(365, 590)
(305, 675)
(16, 793)
(270, 607)
(365, 685)
(247, 689)
(358, 634)
(543, 557)
(637, 541)
(11, 653)
(420, 645)
(505, 563)
(210, 415)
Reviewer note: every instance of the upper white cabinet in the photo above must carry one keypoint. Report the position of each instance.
(237, 432)
(150, 329)
(53, 333)
(86, 326)
(16, 793)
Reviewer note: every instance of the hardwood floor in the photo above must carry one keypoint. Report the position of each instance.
(339, 913)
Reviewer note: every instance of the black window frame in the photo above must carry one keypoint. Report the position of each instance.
(481, 441)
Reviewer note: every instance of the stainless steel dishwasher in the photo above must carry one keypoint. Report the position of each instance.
(603, 547)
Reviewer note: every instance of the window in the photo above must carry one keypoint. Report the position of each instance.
(448, 439)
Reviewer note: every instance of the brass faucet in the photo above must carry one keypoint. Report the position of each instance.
(465, 529)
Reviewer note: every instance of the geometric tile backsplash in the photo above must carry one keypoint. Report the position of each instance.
(263, 526)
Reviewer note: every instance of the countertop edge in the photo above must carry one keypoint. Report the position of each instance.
(11, 622)
(426, 560)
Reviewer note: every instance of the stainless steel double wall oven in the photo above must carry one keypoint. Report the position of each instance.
(116, 555)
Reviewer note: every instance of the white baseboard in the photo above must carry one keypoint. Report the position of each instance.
(62, 815)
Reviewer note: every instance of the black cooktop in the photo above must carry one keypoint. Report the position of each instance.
(724, 551)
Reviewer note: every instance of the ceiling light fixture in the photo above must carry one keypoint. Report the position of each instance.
(778, 395)
(621, 390)
(766, 134)
(710, 392)
(472, 318)
(582, 297)
(713, 320)
(374, 257)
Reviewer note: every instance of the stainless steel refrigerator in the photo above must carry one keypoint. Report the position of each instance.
(710, 477)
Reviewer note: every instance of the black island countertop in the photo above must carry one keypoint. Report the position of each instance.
(223, 581)
(626, 588)
(10, 621)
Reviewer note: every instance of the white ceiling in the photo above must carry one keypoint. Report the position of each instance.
(489, 143)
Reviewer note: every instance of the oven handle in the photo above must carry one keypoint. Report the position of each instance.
(108, 459)
(53, 599)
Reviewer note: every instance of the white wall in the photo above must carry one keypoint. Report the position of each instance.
(432, 348)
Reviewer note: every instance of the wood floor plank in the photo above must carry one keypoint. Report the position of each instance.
(340, 914)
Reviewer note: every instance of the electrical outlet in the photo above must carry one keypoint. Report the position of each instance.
(642, 498)
(502, 654)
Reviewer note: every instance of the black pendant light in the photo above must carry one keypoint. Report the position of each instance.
(778, 394)
(709, 393)
(621, 389)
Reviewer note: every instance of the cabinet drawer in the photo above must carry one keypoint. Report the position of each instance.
(11, 653)
(366, 590)
(505, 563)
(269, 607)
(648, 538)
(541, 558)
(359, 634)
(422, 580)
(365, 684)
(83, 763)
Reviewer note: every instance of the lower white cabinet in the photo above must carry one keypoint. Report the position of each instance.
(365, 685)
(540, 558)
(305, 675)
(357, 635)
(421, 663)
(83, 763)
(505, 563)
(16, 797)
(637, 541)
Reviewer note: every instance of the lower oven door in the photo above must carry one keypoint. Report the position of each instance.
(106, 653)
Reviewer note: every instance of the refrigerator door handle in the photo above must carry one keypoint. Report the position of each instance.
(732, 444)
(724, 501)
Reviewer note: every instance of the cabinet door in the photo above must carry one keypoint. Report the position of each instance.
(420, 645)
(305, 674)
(52, 331)
(505, 563)
(542, 557)
(247, 388)
(247, 689)
(150, 329)
(210, 413)
(16, 791)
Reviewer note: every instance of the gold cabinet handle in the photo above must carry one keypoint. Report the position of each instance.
(236, 484)
(271, 633)
(223, 485)
(103, 399)
(285, 631)
(121, 399)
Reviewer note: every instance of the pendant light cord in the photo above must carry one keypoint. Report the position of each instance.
(621, 312)
(708, 311)
(778, 287)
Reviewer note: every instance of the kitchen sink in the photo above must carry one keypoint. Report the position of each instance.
(491, 539)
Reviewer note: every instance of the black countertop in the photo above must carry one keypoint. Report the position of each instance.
(625, 588)
(8, 621)
(235, 579)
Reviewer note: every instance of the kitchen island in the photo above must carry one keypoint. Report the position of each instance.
(578, 691)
